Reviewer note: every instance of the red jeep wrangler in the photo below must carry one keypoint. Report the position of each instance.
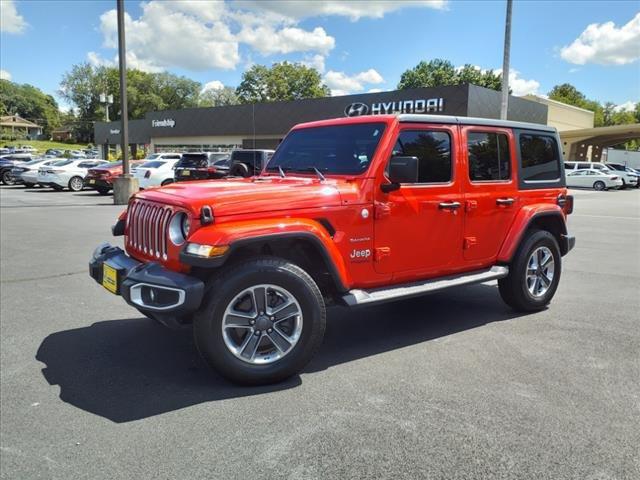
(353, 211)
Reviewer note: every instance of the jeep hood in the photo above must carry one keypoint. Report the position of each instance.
(242, 196)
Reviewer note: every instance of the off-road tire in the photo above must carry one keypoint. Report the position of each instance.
(240, 170)
(513, 288)
(233, 280)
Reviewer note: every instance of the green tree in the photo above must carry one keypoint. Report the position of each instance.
(439, 72)
(83, 84)
(30, 103)
(218, 97)
(283, 81)
(567, 93)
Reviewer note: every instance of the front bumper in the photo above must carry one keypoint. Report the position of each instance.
(167, 296)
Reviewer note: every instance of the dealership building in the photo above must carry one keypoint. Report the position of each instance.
(263, 125)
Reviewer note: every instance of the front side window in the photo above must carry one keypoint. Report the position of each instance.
(433, 150)
(539, 157)
(337, 149)
(489, 158)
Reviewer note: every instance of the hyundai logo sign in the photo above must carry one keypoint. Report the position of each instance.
(356, 109)
(419, 105)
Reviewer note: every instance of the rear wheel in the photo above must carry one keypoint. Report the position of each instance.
(534, 273)
(76, 184)
(262, 322)
(103, 191)
(7, 178)
(240, 170)
(166, 182)
(599, 185)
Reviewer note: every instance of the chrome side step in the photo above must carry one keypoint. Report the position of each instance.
(364, 297)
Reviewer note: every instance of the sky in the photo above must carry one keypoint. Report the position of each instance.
(358, 46)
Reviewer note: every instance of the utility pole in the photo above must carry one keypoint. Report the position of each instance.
(125, 185)
(505, 64)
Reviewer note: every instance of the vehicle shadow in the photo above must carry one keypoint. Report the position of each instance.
(126, 370)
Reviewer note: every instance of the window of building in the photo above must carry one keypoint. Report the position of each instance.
(433, 150)
(539, 157)
(489, 158)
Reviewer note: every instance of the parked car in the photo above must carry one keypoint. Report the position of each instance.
(27, 173)
(570, 166)
(7, 162)
(68, 173)
(154, 173)
(629, 175)
(201, 166)
(28, 149)
(101, 177)
(53, 153)
(248, 163)
(593, 178)
(353, 211)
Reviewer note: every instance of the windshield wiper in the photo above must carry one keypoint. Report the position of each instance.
(281, 171)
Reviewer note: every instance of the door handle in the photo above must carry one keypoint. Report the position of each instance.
(448, 205)
(505, 201)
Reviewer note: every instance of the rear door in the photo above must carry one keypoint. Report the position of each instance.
(491, 194)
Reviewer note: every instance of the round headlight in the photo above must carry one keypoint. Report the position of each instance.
(186, 225)
(177, 225)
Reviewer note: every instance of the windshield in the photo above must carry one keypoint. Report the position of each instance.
(152, 164)
(153, 156)
(193, 160)
(62, 163)
(34, 162)
(339, 149)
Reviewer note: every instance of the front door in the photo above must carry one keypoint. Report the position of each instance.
(418, 228)
(491, 194)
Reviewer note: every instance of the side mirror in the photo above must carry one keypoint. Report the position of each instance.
(401, 170)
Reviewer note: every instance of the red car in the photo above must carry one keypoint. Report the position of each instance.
(101, 178)
(351, 211)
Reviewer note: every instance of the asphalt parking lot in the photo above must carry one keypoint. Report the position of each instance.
(449, 386)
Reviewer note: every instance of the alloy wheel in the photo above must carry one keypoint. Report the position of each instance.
(540, 271)
(76, 184)
(262, 324)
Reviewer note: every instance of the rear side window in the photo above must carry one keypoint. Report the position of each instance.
(489, 158)
(539, 156)
(433, 150)
(194, 160)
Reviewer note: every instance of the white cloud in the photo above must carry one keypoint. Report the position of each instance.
(268, 40)
(605, 44)
(628, 106)
(354, 10)
(197, 35)
(165, 36)
(10, 20)
(518, 85)
(342, 84)
(374, 90)
(4, 75)
(317, 62)
(213, 85)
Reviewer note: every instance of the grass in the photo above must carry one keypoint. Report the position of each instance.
(43, 145)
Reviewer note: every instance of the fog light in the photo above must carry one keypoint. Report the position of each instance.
(206, 250)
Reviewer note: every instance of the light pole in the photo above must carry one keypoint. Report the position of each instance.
(504, 107)
(107, 100)
(125, 185)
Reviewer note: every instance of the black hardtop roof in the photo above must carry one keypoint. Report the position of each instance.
(487, 122)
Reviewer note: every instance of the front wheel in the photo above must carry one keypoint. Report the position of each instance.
(262, 322)
(599, 185)
(534, 273)
(76, 184)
